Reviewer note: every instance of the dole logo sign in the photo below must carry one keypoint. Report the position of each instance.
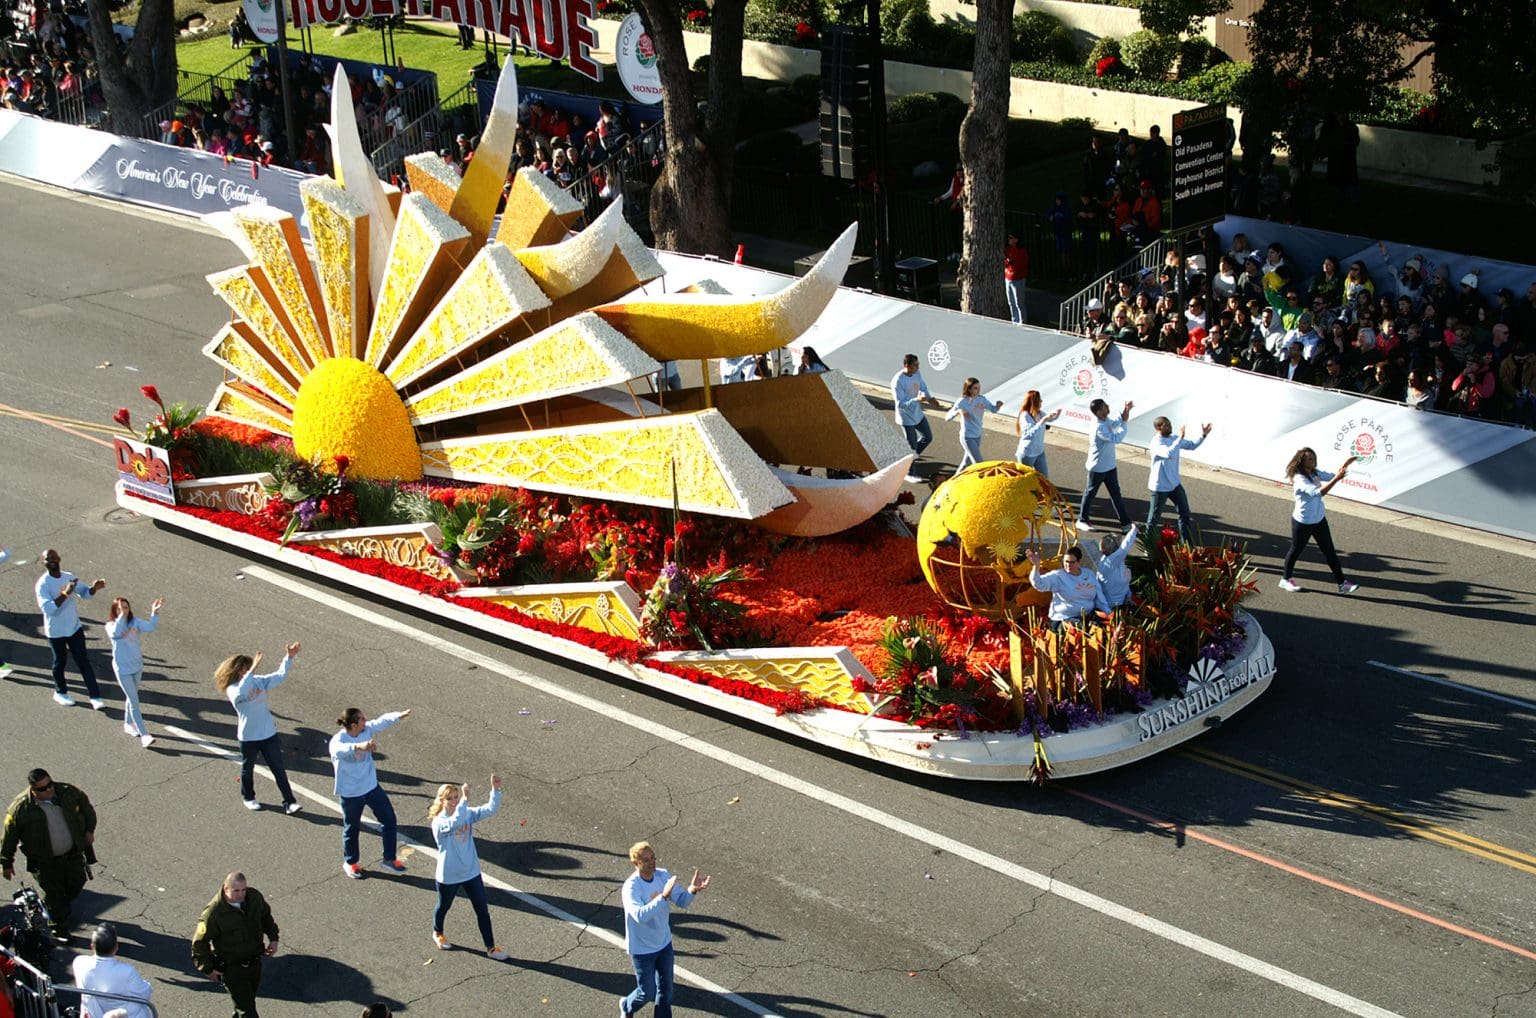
(144, 470)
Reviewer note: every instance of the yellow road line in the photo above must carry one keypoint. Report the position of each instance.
(1407, 823)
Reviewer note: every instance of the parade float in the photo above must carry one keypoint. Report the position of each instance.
(446, 409)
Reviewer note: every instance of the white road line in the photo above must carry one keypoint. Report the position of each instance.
(608, 937)
(1513, 701)
(827, 797)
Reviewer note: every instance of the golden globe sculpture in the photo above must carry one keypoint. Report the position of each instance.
(973, 533)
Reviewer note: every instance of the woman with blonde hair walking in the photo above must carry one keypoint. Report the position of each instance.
(453, 822)
(247, 692)
(123, 629)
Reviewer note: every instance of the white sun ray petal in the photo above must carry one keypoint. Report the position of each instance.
(420, 263)
(474, 204)
(492, 293)
(576, 355)
(355, 172)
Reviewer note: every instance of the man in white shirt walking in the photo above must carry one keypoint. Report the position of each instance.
(104, 972)
(910, 393)
(1163, 480)
(1102, 466)
(58, 595)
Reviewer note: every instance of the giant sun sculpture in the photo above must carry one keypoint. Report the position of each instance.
(429, 338)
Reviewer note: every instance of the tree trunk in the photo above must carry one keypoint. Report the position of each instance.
(983, 154)
(691, 202)
(142, 77)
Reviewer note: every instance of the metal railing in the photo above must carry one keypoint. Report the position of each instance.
(427, 132)
(34, 995)
(414, 102)
(194, 88)
(1073, 309)
(630, 173)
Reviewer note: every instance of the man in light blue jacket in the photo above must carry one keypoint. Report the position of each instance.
(910, 393)
(58, 595)
(649, 895)
(1163, 480)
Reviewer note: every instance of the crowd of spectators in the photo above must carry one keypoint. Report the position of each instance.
(47, 62)
(1418, 333)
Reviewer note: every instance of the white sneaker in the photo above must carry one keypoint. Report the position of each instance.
(5, 670)
(63, 698)
(497, 954)
(1348, 588)
(252, 805)
(1085, 526)
(914, 479)
(128, 729)
(292, 808)
(97, 703)
(1290, 585)
(149, 740)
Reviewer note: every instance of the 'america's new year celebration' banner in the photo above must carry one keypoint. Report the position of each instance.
(558, 29)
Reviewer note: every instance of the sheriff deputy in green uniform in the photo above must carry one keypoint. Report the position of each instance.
(228, 945)
(55, 826)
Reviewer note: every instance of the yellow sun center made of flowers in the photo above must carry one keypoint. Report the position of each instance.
(348, 408)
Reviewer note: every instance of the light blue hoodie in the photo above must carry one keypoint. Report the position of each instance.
(355, 773)
(454, 834)
(647, 915)
(127, 658)
(249, 697)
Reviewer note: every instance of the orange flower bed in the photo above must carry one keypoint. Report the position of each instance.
(840, 593)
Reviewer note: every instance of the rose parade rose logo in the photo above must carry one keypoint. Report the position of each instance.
(645, 52)
(1082, 382)
(1364, 447)
(938, 355)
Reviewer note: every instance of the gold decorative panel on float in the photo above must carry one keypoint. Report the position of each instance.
(611, 608)
(236, 493)
(407, 546)
(824, 673)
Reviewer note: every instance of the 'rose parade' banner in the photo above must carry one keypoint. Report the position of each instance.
(558, 29)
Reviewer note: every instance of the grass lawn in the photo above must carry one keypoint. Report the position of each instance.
(1032, 188)
(425, 46)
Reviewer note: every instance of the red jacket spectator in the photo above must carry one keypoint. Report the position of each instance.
(1015, 262)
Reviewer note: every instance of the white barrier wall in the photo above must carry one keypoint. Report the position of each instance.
(1470, 472)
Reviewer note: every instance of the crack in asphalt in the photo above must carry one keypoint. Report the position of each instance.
(1498, 1002)
(199, 764)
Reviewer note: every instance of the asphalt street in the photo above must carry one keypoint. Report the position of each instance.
(1361, 840)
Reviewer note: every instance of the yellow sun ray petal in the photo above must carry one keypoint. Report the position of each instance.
(339, 225)
(250, 296)
(431, 176)
(421, 260)
(567, 266)
(479, 193)
(274, 235)
(239, 402)
(239, 351)
(700, 327)
(538, 211)
(493, 292)
(628, 460)
(629, 266)
(354, 171)
(583, 353)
